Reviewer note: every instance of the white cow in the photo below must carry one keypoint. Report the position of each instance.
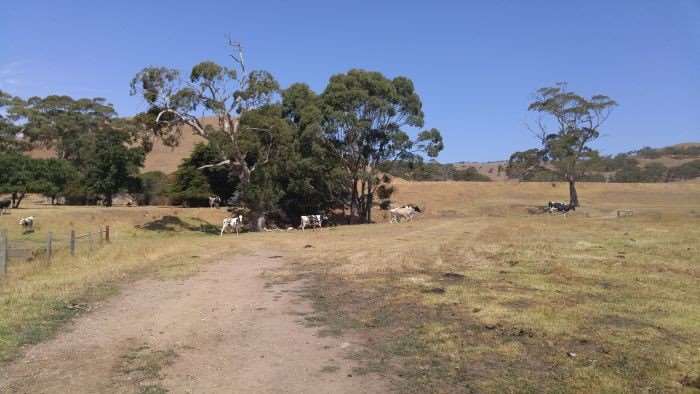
(27, 223)
(407, 212)
(214, 201)
(234, 222)
(313, 221)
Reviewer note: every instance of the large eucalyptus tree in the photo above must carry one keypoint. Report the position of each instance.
(366, 121)
(229, 94)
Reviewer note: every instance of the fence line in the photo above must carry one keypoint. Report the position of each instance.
(20, 249)
(3, 252)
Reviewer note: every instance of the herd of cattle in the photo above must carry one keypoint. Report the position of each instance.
(235, 223)
(406, 212)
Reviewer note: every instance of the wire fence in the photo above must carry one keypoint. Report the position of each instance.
(17, 250)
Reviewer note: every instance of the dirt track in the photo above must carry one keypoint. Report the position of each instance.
(219, 331)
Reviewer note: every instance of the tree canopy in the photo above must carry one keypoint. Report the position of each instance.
(239, 100)
(366, 116)
(112, 166)
(227, 93)
(97, 153)
(572, 123)
(357, 123)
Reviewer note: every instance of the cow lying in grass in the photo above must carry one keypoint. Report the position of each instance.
(312, 221)
(234, 223)
(407, 212)
(559, 207)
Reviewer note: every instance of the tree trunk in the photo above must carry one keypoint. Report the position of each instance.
(573, 196)
(353, 200)
(260, 222)
(108, 200)
(368, 201)
(361, 201)
(17, 199)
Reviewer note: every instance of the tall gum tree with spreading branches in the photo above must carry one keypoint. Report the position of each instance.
(230, 94)
(365, 121)
(574, 123)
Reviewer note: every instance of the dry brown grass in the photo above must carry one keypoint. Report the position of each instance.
(546, 303)
(578, 303)
(165, 158)
(37, 297)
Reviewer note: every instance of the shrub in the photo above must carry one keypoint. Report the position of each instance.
(689, 170)
(190, 188)
(155, 186)
(470, 174)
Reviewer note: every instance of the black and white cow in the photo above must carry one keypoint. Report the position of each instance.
(312, 221)
(234, 223)
(5, 205)
(27, 224)
(559, 207)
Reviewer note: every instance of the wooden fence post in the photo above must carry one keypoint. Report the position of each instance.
(49, 249)
(72, 242)
(107, 233)
(3, 252)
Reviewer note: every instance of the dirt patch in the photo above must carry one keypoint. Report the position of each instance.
(141, 368)
(519, 303)
(221, 330)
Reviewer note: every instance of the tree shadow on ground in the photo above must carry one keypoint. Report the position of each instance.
(175, 224)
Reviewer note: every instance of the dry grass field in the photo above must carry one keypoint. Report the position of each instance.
(476, 295)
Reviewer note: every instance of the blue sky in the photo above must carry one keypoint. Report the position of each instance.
(475, 64)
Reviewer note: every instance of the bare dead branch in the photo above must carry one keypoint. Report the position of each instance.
(219, 164)
(185, 118)
(239, 48)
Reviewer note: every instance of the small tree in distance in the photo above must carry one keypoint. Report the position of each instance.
(564, 150)
(112, 166)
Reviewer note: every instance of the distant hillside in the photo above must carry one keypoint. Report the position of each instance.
(166, 159)
(683, 156)
(161, 158)
(670, 156)
(495, 170)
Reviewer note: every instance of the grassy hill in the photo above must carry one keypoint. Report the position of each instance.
(671, 157)
(166, 159)
(489, 168)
